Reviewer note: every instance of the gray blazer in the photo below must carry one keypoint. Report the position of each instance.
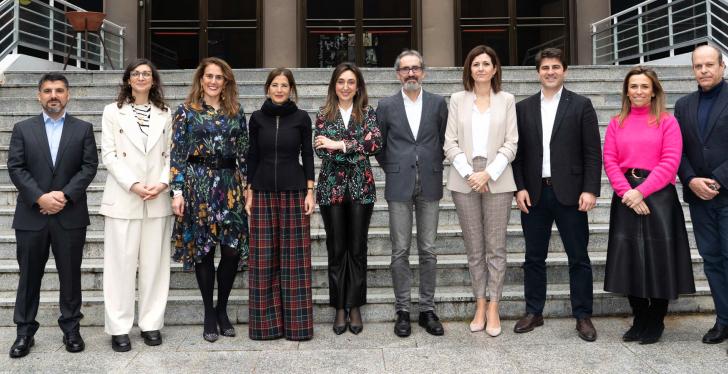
(401, 150)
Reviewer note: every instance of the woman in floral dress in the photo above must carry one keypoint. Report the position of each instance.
(208, 170)
(346, 135)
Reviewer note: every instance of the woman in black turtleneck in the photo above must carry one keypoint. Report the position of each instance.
(279, 203)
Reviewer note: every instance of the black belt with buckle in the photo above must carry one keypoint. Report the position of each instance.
(546, 181)
(213, 162)
(637, 173)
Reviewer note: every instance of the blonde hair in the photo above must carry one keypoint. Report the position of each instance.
(658, 108)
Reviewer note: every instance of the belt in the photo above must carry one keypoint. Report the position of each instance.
(637, 173)
(546, 181)
(213, 162)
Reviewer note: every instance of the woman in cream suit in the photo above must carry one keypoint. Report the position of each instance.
(480, 143)
(135, 140)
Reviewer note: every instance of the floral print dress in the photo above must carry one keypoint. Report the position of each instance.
(214, 204)
(347, 173)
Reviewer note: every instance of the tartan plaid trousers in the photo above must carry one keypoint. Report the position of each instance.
(279, 267)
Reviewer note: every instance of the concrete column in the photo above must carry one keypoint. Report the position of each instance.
(124, 13)
(280, 33)
(438, 32)
(587, 12)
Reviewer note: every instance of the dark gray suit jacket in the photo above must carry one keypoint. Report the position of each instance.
(33, 173)
(401, 151)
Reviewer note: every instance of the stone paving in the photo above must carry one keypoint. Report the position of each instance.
(553, 348)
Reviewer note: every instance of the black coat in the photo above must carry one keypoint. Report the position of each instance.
(280, 136)
(704, 158)
(576, 156)
(33, 173)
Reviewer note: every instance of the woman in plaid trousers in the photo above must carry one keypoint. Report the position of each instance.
(346, 135)
(279, 205)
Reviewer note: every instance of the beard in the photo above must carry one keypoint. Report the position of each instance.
(53, 110)
(411, 85)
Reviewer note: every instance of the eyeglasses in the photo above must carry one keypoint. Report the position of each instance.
(137, 74)
(212, 77)
(407, 69)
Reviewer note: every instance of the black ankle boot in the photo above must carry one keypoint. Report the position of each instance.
(639, 309)
(656, 322)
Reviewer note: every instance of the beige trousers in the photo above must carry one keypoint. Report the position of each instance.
(131, 245)
(484, 218)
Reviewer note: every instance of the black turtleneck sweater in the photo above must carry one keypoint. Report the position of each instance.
(705, 106)
(279, 134)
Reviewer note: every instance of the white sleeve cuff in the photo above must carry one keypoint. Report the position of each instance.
(496, 168)
(460, 163)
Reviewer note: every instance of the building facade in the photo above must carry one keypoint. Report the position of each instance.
(176, 34)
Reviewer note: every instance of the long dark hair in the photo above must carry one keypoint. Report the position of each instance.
(156, 94)
(361, 99)
(229, 95)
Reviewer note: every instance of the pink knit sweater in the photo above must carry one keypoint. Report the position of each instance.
(639, 145)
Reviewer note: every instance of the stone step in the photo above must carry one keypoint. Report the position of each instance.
(452, 303)
(452, 270)
(380, 216)
(604, 72)
(449, 241)
(596, 89)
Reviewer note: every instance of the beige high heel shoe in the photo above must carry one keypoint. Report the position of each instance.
(493, 331)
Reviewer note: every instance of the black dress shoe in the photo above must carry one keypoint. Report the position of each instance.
(120, 343)
(21, 347)
(586, 329)
(152, 337)
(528, 322)
(355, 329)
(717, 334)
(73, 342)
(402, 327)
(431, 323)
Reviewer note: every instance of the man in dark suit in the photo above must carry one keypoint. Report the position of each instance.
(413, 124)
(703, 118)
(558, 176)
(51, 161)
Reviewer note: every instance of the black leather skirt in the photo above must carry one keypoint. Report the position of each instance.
(649, 256)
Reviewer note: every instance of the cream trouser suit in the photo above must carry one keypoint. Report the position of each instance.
(137, 233)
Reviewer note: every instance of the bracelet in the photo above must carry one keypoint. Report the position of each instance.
(310, 188)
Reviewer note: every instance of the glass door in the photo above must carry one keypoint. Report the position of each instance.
(182, 32)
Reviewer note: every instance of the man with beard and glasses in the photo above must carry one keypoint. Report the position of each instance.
(412, 122)
(52, 159)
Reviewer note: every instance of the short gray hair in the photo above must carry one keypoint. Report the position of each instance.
(713, 47)
(409, 52)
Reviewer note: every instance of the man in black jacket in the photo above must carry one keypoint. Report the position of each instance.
(558, 176)
(703, 118)
(52, 159)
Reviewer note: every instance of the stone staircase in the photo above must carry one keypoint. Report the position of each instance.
(90, 91)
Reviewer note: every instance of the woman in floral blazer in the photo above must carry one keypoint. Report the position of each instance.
(346, 134)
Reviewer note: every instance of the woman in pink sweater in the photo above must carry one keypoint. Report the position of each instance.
(648, 256)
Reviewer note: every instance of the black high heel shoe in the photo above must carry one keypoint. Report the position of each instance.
(355, 328)
(340, 329)
(226, 327)
(209, 331)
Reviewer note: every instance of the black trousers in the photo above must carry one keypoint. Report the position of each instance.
(347, 228)
(574, 231)
(33, 251)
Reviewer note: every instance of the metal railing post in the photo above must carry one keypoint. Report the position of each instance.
(615, 49)
(708, 24)
(16, 27)
(101, 50)
(121, 47)
(51, 17)
(594, 44)
(670, 31)
(640, 49)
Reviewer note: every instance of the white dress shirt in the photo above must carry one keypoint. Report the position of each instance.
(548, 115)
(413, 109)
(346, 114)
(481, 130)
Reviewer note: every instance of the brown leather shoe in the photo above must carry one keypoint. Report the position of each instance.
(586, 329)
(528, 323)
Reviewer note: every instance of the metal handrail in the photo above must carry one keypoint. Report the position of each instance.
(41, 26)
(656, 29)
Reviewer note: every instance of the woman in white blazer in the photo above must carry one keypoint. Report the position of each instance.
(135, 140)
(480, 143)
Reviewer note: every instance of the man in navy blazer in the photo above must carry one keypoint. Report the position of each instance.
(412, 122)
(703, 118)
(52, 159)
